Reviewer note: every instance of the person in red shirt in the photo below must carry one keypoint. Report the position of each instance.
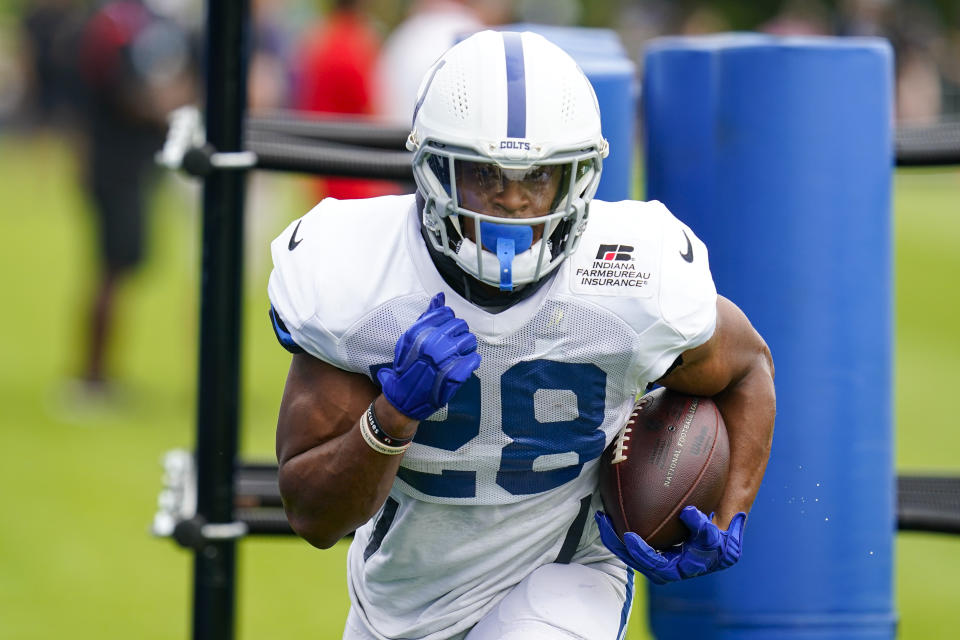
(335, 74)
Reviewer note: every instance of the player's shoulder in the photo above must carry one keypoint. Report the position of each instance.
(626, 216)
(342, 235)
(334, 220)
(337, 262)
(643, 263)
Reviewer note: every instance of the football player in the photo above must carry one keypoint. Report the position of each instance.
(463, 355)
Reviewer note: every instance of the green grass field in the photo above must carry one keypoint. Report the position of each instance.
(80, 483)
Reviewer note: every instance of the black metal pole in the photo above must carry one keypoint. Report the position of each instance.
(220, 297)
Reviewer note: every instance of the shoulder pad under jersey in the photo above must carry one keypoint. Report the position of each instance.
(641, 262)
(336, 264)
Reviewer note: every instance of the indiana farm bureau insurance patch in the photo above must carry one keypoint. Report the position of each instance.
(615, 269)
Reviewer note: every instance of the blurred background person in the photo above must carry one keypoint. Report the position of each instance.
(863, 17)
(50, 29)
(334, 71)
(914, 32)
(270, 80)
(135, 68)
(430, 28)
(918, 36)
(270, 86)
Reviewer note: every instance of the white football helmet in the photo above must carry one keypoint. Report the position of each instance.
(515, 106)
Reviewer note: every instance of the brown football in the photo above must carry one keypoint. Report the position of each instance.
(672, 452)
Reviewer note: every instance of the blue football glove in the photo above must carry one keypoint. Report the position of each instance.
(431, 360)
(708, 548)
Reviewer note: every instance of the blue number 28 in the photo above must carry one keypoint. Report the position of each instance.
(542, 455)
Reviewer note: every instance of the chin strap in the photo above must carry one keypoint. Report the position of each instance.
(506, 240)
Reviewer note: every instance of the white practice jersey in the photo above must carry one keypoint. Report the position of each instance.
(503, 480)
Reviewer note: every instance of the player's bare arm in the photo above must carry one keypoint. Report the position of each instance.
(330, 479)
(339, 442)
(734, 367)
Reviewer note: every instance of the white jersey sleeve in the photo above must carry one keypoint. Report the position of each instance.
(335, 264)
(687, 295)
(639, 261)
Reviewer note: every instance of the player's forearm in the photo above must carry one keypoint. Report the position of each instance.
(334, 487)
(748, 408)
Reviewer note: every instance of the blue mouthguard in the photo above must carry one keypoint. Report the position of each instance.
(506, 240)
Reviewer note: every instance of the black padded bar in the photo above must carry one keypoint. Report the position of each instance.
(924, 503)
(256, 486)
(269, 522)
(364, 132)
(273, 137)
(331, 160)
(928, 145)
(928, 503)
(257, 493)
(916, 145)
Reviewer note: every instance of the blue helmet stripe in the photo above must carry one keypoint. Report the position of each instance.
(516, 86)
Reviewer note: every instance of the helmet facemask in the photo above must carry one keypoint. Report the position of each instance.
(499, 251)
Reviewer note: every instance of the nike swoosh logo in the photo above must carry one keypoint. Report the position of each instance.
(293, 237)
(686, 255)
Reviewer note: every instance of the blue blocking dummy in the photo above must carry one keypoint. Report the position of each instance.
(612, 73)
(778, 153)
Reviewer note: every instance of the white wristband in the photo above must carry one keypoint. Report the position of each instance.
(375, 444)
